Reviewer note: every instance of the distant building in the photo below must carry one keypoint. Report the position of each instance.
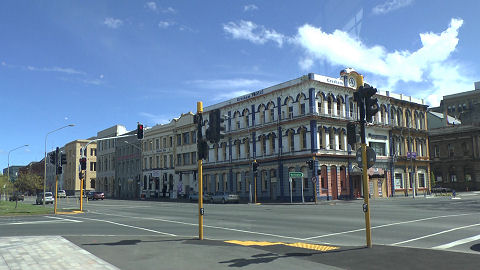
(128, 169)
(71, 180)
(106, 159)
(14, 172)
(436, 120)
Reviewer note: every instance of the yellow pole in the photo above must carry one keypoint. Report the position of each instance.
(200, 185)
(316, 181)
(56, 194)
(81, 194)
(255, 183)
(365, 196)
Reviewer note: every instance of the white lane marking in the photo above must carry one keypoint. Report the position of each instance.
(207, 226)
(66, 219)
(128, 226)
(433, 234)
(458, 242)
(35, 222)
(385, 225)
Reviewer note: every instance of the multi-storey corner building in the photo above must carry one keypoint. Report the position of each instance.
(71, 180)
(409, 135)
(158, 164)
(128, 169)
(170, 158)
(283, 126)
(106, 159)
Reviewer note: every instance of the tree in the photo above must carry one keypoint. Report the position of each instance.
(28, 183)
(5, 185)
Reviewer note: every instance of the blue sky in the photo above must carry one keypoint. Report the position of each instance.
(100, 63)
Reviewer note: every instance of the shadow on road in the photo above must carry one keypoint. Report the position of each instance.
(131, 242)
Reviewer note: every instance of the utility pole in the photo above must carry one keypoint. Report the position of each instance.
(201, 154)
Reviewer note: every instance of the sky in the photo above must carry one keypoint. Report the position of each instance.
(97, 63)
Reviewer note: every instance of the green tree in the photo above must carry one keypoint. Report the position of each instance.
(28, 183)
(5, 186)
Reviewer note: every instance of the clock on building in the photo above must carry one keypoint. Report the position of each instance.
(352, 82)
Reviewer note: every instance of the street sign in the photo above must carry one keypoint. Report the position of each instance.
(414, 155)
(371, 157)
(295, 174)
(314, 180)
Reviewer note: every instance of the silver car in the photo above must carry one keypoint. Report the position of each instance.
(48, 198)
(225, 197)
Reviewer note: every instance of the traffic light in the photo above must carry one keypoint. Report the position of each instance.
(59, 170)
(139, 131)
(202, 149)
(255, 166)
(83, 163)
(63, 159)
(371, 104)
(216, 130)
(351, 133)
(310, 164)
(52, 157)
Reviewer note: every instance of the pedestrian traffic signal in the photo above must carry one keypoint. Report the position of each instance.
(351, 133)
(139, 131)
(63, 159)
(83, 163)
(59, 170)
(310, 164)
(202, 149)
(216, 130)
(254, 166)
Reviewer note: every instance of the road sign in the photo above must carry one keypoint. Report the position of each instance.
(296, 174)
(414, 155)
(314, 180)
(371, 157)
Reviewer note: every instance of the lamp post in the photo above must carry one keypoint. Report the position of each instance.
(8, 163)
(45, 160)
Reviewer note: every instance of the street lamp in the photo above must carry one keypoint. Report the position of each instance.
(45, 160)
(8, 160)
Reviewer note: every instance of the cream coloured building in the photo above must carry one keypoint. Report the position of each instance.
(71, 180)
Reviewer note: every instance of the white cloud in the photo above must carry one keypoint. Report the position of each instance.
(112, 22)
(390, 5)
(151, 6)
(154, 119)
(250, 7)
(165, 24)
(257, 34)
(69, 71)
(230, 95)
(305, 63)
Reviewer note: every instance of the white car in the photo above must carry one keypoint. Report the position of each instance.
(48, 198)
(61, 194)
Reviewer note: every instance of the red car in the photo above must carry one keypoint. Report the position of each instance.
(95, 195)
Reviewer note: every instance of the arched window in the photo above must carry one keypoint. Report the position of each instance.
(339, 107)
(261, 114)
(246, 143)
(291, 140)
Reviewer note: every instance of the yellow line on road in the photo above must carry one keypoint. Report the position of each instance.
(298, 245)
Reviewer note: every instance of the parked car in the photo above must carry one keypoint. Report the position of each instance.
(48, 198)
(224, 197)
(89, 195)
(17, 196)
(440, 189)
(98, 195)
(61, 194)
(193, 197)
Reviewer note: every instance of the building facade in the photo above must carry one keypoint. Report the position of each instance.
(283, 126)
(456, 156)
(71, 170)
(106, 159)
(128, 169)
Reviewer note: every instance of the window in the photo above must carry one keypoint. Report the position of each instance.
(468, 177)
(164, 142)
(157, 144)
(304, 139)
(194, 137)
(421, 180)
(186, 159)
(179, 139)
(436, 151)
(264, 181)
(378, 147)
(171, 161)
(291, 141)
(93, 166)
(165, 161)
(290, 112)
(238, 125)
(158, 161)
(150, 162)
(239, 182)
(262, 117)
(451, 151)
(171, 141)
(186, 138)
(302, 108)
(194, 157)
(272, 114)
(398, 180)
(144, 163)
(179, 159)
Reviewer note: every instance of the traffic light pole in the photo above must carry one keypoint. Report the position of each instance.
(56, 194)
(366, 193)
(200, 185)
(81, 191)
(316, 180)
(255, 184)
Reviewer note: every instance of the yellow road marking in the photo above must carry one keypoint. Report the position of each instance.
(70, 213)
(298, 245)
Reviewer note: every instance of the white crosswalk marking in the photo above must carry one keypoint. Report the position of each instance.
(458, 242)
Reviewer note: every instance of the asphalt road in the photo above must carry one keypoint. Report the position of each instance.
(418, 233)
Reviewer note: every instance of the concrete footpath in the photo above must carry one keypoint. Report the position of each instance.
(159, 252)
